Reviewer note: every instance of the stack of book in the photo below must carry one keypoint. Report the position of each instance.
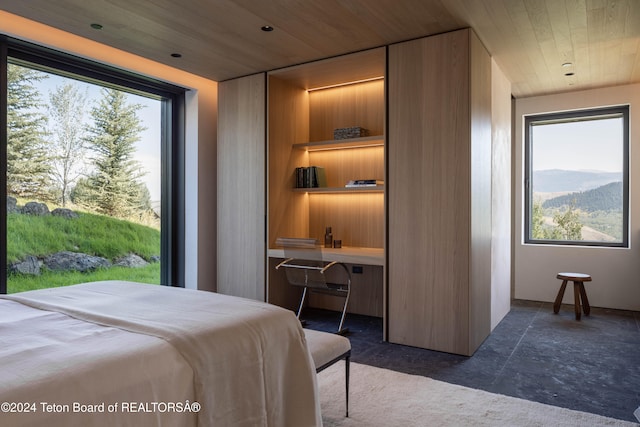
(310, 177)
(364, 183)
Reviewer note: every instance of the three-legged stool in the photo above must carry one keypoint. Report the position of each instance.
(578, 292)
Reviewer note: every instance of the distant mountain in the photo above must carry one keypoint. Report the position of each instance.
(605, 198)
(556, 180)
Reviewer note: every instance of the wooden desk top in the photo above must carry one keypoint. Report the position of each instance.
(346, 254)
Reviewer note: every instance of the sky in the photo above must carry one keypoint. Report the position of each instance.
(148, 149)
(584, 145)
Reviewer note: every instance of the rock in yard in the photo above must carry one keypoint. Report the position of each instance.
(131, 260)
(65, 260)
(12, 205)
(35, 208)
(64, 212)
(30, 265)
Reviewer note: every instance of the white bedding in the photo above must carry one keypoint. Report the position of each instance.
(245, 362)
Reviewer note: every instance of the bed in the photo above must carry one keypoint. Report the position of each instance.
(130, 354)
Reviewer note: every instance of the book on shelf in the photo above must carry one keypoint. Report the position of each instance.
(310, 177)
(364, 183)
(297, 242)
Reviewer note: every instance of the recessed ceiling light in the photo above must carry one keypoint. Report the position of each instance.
(267, 28)
(567, 64)
(96, 26)
(176, 55)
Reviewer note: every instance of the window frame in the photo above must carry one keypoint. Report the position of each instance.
(172, 248)
(568, 116)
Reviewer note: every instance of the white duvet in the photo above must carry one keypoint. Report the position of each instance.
(147, 347)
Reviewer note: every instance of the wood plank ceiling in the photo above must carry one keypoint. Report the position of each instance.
(221, 39)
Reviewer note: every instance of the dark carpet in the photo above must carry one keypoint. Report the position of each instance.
(592, 365)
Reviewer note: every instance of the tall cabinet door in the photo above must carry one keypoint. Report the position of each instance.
(241, 187)
(439, 183)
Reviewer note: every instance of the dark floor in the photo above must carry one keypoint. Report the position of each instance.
(592, 365)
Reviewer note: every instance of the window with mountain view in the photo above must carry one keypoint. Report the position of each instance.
(576, 177)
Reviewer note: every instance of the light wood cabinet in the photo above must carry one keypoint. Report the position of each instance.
(423, 239)
(241, 187)
(439, 190)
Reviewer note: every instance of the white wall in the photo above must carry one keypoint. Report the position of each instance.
(615, 271)
(500, 195)
(201, 134)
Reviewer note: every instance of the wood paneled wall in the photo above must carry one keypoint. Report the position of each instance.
(437, 229)
(356, 218)
(288, 124)
(347, 164)
(241, 187)
(481, 202)
(360, 104)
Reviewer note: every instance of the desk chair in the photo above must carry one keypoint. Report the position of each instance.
(312, 275)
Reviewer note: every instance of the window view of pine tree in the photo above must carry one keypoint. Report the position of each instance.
(83, 182)
(114, 188)
(577, 170)
(27, 167)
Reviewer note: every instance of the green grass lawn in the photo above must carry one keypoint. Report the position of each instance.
(91, 234)
(51, 279)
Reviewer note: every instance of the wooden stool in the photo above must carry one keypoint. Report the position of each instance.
(578, 292)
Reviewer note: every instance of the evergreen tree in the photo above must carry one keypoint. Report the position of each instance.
(27, 157)
(66, 109)
(114, 188)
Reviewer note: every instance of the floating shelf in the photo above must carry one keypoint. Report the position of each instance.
(376, 189)
(338, 144)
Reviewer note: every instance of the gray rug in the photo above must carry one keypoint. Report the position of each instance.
(380, 397)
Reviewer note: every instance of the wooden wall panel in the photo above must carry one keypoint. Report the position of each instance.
(364, 65)
(241, 187)
(480, 268)
(429, 192)
(356, 218)
(288, 125)
(342, 166)
(359, 104)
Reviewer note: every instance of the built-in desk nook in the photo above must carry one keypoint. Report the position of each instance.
(347, 255)
(366, 266)
(328, 118)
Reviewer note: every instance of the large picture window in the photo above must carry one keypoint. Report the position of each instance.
(92, 171)
(576, 177)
